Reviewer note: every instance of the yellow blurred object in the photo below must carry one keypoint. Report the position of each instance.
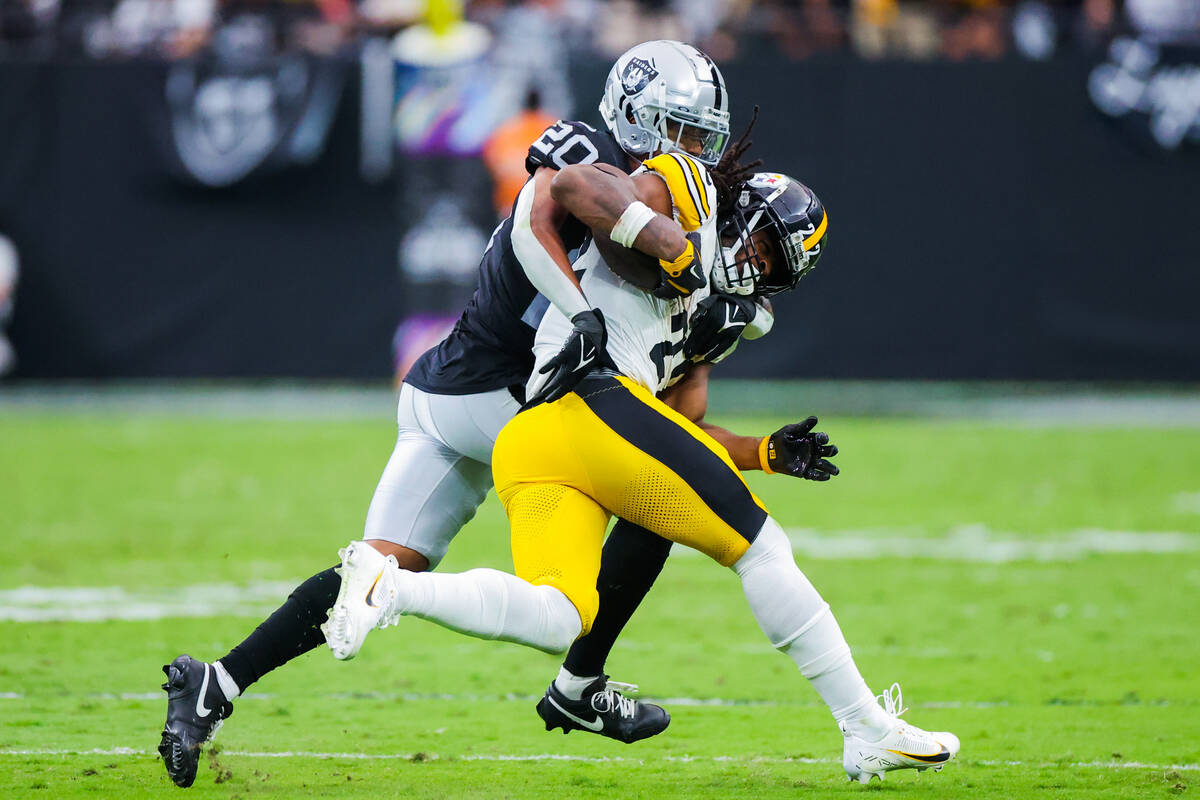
(443, 15)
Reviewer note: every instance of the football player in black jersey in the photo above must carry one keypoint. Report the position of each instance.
(660, 96)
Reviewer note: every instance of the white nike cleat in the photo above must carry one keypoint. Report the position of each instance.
(904, 747)
(365, 601)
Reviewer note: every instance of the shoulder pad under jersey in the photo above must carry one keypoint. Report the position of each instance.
(691, 187)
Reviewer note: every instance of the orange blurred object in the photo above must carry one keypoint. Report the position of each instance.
(504, 155)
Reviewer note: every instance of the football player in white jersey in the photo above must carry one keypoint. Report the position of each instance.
(611, 447)
(659, 96)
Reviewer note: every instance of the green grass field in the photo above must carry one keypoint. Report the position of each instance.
(1036, 591)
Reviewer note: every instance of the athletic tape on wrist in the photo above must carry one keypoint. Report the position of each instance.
(636, 216)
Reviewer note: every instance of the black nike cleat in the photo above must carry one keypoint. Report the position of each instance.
(196, 707)
(603, 710)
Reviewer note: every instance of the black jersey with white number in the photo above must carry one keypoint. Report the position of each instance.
(491, 346)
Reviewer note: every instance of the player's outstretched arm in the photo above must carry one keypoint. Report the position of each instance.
(794, 449)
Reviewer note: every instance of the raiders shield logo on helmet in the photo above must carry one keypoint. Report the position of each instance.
(637, 74)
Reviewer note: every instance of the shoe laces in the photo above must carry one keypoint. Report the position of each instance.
(893, 700)
(610, 699)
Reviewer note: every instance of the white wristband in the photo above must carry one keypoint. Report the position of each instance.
(636, 216)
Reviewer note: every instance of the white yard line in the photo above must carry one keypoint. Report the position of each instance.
(550, 757)
(517, 697)
(980, 544)
(967, 543)
(513, 697)
(100, 603)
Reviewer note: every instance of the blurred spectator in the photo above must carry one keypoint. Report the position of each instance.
(975, 29)
(504, 153)
(1175, 22)
(171, 28)
(894, 29)
(534, 38)
(623, 23)
(8, 287)
(530, 54)
(802, 28)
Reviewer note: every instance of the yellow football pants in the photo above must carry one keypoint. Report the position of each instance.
(611, 447)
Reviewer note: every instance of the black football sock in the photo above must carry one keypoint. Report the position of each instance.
(291, 631)
(631, 561)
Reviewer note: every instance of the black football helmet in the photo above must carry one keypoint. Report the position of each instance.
(792, 213)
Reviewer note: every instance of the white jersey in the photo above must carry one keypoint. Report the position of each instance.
(645, 333)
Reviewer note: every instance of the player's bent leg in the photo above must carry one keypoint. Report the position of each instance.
(582, 694)
(490, 604)
(292, 630)
(428, 491)
(485, 603)
(799, 622)
(557, 535)
(630, 562)
(426, 494)
(651, 466)
(540, 516)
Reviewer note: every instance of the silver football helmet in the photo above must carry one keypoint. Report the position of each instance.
(665, 95)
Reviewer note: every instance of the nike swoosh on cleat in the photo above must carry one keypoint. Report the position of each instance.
(595, 725)
(371, 591)
(932, 758)
(201, 711)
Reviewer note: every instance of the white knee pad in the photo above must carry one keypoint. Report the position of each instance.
(782, 599)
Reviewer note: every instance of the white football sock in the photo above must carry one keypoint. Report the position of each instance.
(491, 604)
(228, 685)
(571, 685)
(798, 621)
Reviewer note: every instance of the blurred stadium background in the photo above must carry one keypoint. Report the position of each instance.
(227, 227)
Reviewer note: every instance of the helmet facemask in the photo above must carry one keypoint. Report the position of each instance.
(704, 136)
(739, 268)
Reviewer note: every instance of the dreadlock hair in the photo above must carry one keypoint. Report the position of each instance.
(729, 176)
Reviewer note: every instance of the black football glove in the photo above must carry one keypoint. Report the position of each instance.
(795, 450)
(684, 275)
(716, 325)
(582, 352)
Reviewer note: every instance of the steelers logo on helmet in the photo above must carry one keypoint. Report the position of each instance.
(767, 180)
(637, 74)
